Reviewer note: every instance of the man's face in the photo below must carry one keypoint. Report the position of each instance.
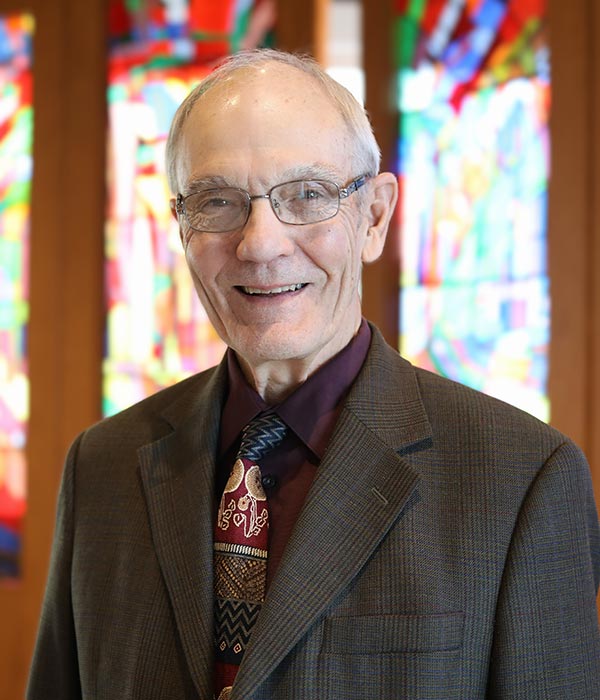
(274, 291)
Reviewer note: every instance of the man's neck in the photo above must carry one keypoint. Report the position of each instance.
(275, 380)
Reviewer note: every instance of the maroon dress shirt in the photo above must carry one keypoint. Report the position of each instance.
(310, 413)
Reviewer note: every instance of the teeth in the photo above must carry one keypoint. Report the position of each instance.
(277, 290)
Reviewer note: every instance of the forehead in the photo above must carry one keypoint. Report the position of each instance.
(261, 122)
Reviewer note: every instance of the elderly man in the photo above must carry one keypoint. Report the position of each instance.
(315, 518)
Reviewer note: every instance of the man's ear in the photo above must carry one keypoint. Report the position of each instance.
(382, 202)
(173, 207)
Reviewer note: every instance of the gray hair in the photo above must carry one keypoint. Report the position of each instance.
(366, 156)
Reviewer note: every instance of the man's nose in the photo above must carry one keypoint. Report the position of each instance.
(264, 237)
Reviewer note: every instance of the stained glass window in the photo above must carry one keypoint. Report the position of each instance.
(157, 331)
(344, 45)
(16, 134)
(474, 88)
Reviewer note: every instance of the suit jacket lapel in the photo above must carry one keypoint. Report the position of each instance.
(178, 479)
(361, 489)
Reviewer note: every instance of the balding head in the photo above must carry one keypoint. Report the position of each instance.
(365, 154)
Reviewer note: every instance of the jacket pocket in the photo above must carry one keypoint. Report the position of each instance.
(413, 657)
(387, 634)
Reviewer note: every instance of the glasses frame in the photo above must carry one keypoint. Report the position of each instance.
(343, 192)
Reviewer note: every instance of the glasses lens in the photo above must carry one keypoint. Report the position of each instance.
(217, 210)
(305, 201)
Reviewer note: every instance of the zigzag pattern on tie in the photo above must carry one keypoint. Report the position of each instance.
(261, 435)
(234, 622)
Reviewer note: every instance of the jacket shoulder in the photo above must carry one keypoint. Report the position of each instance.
(156, 415)
(459, 416)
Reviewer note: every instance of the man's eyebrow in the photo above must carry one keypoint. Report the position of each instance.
(206, 183)
(316, 171)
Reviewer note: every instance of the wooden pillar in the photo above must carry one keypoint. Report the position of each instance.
(301, 27)
(593, 427)
(66, 293)
(574, 225)
(381, 279)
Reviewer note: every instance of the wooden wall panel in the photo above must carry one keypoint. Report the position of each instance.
(593, 446)
(569, 218)
(574, 225)
(65, 337)
(381, 279)
(301, 26)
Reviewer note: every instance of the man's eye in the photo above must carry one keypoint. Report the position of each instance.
(312, 194)
(218, 202)
(210, 204)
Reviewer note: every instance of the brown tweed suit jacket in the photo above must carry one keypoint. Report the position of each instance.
(449, 548)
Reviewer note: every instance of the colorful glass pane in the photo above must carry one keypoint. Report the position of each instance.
(157, 331)
(16, 134)
(474, 98)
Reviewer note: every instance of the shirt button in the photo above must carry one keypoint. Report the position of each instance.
(269, 481)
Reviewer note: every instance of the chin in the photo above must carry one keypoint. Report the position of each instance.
(278, 344)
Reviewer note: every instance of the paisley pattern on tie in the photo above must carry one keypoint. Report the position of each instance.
(240, 548)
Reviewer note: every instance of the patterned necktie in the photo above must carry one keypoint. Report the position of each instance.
(240, 549)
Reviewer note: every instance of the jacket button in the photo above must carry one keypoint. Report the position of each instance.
(269, 481)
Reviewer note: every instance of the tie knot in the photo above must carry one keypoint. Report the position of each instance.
(261, 435)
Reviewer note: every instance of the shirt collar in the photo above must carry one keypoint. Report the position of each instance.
(311, 410)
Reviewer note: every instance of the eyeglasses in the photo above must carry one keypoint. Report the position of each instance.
(299, 202)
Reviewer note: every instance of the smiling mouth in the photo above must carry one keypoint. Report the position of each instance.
(255, 291)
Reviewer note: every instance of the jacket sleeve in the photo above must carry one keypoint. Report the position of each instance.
(54, 671)
(546, 640)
